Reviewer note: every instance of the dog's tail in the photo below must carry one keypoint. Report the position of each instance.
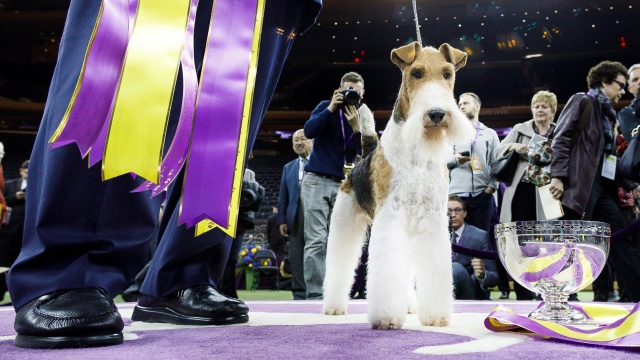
(368, 129)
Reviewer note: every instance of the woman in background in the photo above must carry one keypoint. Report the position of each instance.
(582, 175)
(519, 202)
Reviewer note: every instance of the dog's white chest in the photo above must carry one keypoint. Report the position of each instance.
(420, 194)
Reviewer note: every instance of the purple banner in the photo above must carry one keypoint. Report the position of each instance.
(98, 81)
(214, 146)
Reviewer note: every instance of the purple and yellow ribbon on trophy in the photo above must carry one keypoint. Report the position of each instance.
(618, 326)
(606, 325)
(120, 108)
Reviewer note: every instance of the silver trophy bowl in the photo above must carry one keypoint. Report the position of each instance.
(554, 258)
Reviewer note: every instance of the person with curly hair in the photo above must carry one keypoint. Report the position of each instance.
(584, 152)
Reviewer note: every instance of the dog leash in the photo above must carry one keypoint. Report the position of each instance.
(415, 14)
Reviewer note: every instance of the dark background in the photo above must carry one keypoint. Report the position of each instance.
(569, 36)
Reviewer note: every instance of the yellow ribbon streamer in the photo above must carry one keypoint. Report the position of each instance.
(234, 205)
(143, 101)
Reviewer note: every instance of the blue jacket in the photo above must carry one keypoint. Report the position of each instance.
(289, 193)
(478, 239)
(628, 119)
(330, 150)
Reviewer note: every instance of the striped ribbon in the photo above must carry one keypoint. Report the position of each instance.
(619, 327)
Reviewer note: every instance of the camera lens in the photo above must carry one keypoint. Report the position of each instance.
(351, 97)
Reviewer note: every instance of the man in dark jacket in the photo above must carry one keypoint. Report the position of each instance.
(15, 193)
(290, 217)
(583, 147)
(629, 116)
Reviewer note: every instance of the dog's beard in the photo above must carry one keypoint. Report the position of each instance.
(459, 129)
(419, 132)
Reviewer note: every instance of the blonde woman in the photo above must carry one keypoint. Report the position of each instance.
(519, 200)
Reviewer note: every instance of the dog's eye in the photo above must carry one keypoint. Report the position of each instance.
(446, 75)
(416, 74)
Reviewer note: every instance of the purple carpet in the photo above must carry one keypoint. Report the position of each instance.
(298, 330)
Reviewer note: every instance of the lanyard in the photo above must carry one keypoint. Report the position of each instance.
(473, 143)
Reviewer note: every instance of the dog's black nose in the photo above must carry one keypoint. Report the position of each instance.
(436, 115)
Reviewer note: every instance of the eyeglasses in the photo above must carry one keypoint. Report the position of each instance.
(620, 83)
(456, 210)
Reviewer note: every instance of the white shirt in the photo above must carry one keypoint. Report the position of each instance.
(459, 232)
(303, 162)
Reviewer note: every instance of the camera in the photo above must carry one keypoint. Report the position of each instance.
(351, 97)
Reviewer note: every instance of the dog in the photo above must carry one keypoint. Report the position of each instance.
(400, 188)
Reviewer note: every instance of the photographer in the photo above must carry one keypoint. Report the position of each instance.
(335, 128)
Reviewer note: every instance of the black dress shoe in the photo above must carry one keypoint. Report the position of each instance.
(69, 319)
(198, 305)
(504, 296)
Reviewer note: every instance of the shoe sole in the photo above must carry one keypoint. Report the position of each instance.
(61, 342)
(166, 315)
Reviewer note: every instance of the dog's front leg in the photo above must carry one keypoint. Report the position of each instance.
(431, 253)
(388, 277)
(344, 246)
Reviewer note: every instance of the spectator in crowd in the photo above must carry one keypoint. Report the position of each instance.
(277, 242)
(290, 214)
(629, 116)
(85, 239)
(15, 193)
(519, 201)
(628, 190)
(3, 202)
(12, 226)
(471, 276)
(581, 174)
(3, 219)
(334, 127)
(469, 167)
(252, 196)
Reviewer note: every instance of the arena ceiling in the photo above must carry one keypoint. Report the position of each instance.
(516, 47)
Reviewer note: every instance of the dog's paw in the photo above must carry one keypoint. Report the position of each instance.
(435, 320)
(390, 323)
(367, 122)
(332, 310)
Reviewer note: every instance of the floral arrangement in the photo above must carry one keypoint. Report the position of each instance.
(246, 257)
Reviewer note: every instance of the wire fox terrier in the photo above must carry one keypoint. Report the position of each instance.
(400, 188)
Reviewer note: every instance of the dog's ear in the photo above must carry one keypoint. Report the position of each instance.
(405, 55)
(457, 57)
